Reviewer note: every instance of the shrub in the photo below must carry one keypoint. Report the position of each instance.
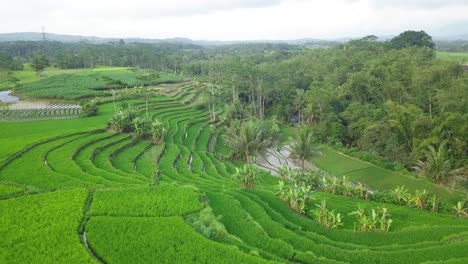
(207, 224)
(325, 217)
(88, 108)
(247, 176)
(376, 219)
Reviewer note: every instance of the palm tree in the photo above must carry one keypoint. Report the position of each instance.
(303, 147)
(435, 166)
(300, 103)
(246, 140)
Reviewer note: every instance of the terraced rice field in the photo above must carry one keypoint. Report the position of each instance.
(39, 110)
(85, 195)
(376, 178)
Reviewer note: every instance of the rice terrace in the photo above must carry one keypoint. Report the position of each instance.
(131, 151)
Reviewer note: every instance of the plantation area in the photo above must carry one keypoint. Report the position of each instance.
(158, 161)
(79, 185)
(53, 83)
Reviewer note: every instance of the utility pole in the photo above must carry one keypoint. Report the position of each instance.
(43, 34)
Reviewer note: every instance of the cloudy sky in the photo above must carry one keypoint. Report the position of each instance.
(234, 19)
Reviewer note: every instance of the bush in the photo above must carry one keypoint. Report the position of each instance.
(325, 217)
(207, 224)
(88, 108)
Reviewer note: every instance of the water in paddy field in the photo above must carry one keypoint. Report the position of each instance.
(5, 97)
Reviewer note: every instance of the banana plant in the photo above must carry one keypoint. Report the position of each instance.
(325, 217)
(400, 194)
(361, 190)
(419, 199)
(332, 186)
(346, 186)
(281, 190)
(460, 209)
(384, 220)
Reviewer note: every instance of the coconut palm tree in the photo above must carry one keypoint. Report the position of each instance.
(303, 147)
(246, 140)
(436, 166)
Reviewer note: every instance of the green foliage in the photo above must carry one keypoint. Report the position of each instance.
(412, 39)
(236, 111)
(88, 108)
(165, 240)
(460, 209)
(7, 190)
(304, 148)
(247, 175)
(247, 139)
(436, 167)
(10, 63)
(401, 195)
(77, 84)
(325, 217)
(165, 200)
(131, 222)
(374, 177)
(207, 224)
(31, 224)
(39, 63)
(157, 130)
(373, 220)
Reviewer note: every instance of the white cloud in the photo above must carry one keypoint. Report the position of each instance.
(417, 4)
(230, 19)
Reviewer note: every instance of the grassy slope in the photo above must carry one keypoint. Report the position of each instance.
(374, 177)
(71, 83)
(140, 224)
(17, 135)
(460, 57)
(42, 228)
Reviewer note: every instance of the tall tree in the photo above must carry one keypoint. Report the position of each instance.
(300, 104)
(412, 38)
(246, 140)
(303, 148)
(436, 166)
(39, 63)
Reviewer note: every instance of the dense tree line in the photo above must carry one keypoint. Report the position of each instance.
(390, 98)
(169, 57)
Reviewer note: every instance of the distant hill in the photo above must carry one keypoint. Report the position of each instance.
(313, 42)
(36, 36)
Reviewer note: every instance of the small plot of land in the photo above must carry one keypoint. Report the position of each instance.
(39, 110)
(374, 177)
(83, 83)
(44, 224)
(459, 57)
(6, 190)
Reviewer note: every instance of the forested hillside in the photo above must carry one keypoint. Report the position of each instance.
(390, 98)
